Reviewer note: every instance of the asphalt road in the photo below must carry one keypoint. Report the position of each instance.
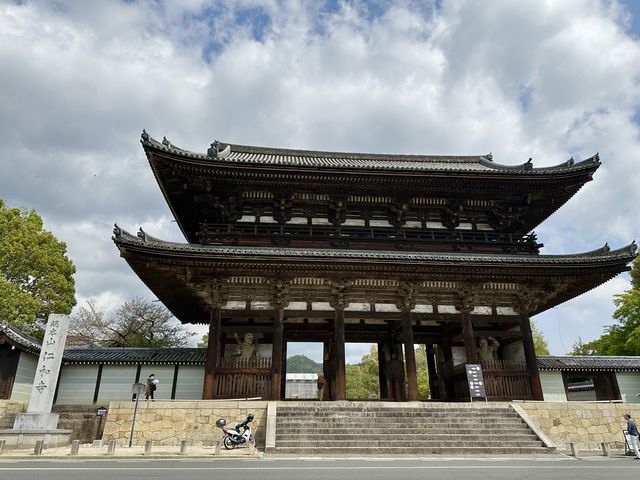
(329, 469)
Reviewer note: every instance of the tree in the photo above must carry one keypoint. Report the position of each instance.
(36, 276)
(635, 274)
(539, 342)
(621, 338)
(136, 323)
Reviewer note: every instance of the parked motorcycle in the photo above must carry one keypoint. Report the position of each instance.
(233, 436)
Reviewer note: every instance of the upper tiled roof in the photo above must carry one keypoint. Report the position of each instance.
(588, 363)
(135, 355)
(27, 342)
(250, 155)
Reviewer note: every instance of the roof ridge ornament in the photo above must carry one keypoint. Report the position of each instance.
(216, 152)
(142, 234)
(529, 165)
(144, 135)
(166, 142)
(489, 156)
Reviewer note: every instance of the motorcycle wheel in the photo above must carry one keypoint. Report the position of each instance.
(228, 443)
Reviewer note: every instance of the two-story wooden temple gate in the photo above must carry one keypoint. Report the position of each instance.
(392, 250)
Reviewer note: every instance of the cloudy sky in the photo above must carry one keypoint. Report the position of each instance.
(79, 80)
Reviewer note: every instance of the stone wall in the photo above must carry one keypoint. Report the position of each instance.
(586, 423)
(8, 411)
(169, 422)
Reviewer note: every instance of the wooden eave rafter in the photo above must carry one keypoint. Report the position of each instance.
(160, 265)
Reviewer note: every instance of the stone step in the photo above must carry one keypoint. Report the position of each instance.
(395, 451)
(520, 430)
(384, 414)
(414, 443)
(366, 436)
(393, 423)
(403, 411)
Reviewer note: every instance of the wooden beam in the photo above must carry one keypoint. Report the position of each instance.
(213, 348)
(530, 356)
(339, 355)
(276, 355)
(410, 356)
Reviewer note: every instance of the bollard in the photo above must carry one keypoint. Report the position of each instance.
(605, 449)
(37, 450)
(96, 444)
(183, 447)
(111, 449)
(2, 442)
(574, 449)
(75, 446)
(217, 449)
(147, 447)
(252, 446)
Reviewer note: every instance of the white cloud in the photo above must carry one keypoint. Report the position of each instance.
(81, 79)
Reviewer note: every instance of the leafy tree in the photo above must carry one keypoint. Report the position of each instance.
(36, 277)
(204, 342)
(635, 274)
(539, 342)
(136, 323)
(621, 338)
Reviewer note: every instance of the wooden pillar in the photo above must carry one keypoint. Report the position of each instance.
(434, 375)
(276, 353)
(283, 380)
(469, 338)
(327, 368)
(447, 374)
(382, 371)
(213, 352)
(339, 355)
(530, 356)
(388, 373)
(410, 355)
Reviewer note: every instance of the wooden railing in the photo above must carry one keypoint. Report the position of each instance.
(242, 378)
(503, 380)
(345, 236)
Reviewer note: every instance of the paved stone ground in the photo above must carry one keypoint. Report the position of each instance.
(88, 451)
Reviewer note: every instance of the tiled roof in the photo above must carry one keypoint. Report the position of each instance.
(604, 253)
(251, 155)
(29, 343)
(588, 363)
(154, 356)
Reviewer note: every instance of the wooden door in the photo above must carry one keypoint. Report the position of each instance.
(8, 366)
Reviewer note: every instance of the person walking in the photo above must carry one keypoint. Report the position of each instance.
(152, 385)
(320, 382)
(632, 430)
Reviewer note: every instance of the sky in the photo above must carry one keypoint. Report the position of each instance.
(79, 80)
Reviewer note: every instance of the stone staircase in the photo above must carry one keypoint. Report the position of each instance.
(383, 428)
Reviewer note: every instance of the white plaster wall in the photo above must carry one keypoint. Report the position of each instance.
(629, 385)
(190, 382)
(25, 373)
(164, 373)
(552, 386)
(77, 384)
(116, 382)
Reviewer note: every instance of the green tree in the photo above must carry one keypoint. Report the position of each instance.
(635, 274)
(539, 342)
(302, 364)
(136, 323)
(621, 338)
(36, 276)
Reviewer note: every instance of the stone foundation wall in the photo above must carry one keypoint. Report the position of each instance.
(586, 423)
(82, 420)
(8, 411)
(169, 422)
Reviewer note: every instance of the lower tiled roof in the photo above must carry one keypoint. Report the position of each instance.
(21, 339)
(589, 363)
(114, 355)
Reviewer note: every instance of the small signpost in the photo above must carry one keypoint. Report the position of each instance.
(101, 413)
(475, 381)
(137, 389)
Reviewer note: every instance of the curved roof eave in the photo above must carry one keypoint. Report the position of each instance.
(264, 156)
(148, 243)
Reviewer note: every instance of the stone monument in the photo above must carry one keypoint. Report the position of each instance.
(39, 423)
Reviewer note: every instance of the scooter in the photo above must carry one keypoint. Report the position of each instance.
(232, 436)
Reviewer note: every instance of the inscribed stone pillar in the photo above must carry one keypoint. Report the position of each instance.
(39, 416)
